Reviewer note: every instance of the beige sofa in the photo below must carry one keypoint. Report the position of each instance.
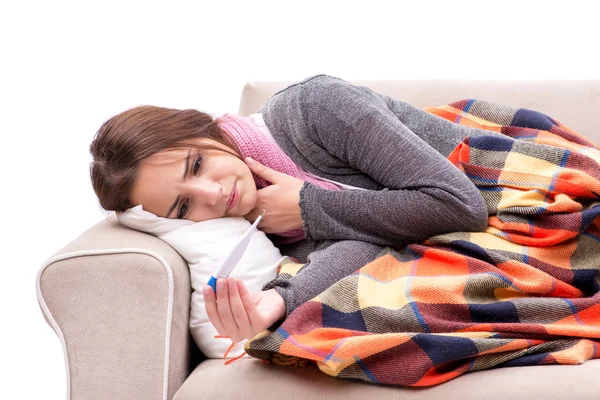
(119, 299)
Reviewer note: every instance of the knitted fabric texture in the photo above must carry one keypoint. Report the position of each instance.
(252, 142)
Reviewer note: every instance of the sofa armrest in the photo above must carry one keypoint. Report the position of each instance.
(119, 301)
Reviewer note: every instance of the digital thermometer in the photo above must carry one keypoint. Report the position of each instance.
(234, 257)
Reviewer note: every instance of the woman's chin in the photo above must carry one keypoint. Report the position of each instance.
(240, 209)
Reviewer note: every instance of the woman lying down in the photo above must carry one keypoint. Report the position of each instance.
(342, 172)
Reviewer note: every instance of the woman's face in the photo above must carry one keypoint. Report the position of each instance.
(195, 185)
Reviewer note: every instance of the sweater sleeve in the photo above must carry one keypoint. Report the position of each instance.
(424, 195)
(329, 262)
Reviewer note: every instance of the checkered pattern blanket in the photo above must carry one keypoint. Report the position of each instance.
(524, 292)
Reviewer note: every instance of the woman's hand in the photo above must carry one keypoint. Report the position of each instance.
(238, 314)
(280, 200)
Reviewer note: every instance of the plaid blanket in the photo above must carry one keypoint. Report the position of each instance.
(524, 292)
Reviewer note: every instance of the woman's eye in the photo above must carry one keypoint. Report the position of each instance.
(196, 165)
(183, 210)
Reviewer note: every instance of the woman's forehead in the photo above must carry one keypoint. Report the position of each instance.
(175, 154)
(168, 156)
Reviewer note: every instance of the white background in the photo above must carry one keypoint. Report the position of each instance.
(67, 67)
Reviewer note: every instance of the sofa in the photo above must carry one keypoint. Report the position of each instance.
(119, 299)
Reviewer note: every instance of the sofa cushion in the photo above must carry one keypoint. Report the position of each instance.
(251, 379)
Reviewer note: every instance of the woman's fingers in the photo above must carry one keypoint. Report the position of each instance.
(254, 318)
(233, 311)
(224, 308)
(210, 303)
(239, 312)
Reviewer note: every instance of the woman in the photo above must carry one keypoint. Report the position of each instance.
(351, 171)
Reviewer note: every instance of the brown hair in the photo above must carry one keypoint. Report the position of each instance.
(126, 139)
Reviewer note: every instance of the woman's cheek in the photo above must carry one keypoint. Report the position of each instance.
(252, 198)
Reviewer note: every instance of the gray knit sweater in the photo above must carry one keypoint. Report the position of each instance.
(353, 135)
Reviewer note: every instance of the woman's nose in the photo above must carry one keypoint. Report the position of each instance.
(209, 191)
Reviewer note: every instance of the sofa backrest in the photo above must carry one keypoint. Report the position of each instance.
(575, 103)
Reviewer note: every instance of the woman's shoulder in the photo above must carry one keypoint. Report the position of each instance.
(316, 88)
(308, 82)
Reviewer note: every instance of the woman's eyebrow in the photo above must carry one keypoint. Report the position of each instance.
(173, 206)
(185, 172)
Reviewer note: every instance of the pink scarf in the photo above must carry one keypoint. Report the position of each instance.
(252, 142)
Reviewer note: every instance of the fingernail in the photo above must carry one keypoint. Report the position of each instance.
(206, 290)
(250, 161)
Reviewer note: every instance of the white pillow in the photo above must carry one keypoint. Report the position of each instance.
(204, 245)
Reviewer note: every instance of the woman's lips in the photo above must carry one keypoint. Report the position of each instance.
(234, 197)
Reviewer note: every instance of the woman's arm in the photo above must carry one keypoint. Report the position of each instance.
(425, 195)
(328, 262)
